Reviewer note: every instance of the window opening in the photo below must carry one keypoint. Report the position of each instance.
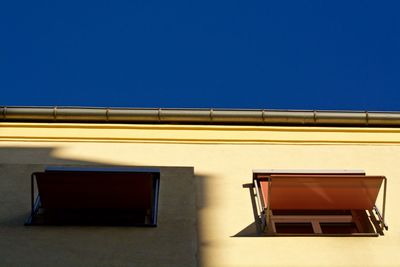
(95, 196)
(319, 202)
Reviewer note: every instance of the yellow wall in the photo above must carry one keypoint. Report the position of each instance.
(223, 157)
(97, 246)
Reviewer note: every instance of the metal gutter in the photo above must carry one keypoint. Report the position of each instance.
(200, 116)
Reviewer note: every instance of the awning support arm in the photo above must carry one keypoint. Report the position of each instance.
(378, 213)
(34, 204)
(262, 207)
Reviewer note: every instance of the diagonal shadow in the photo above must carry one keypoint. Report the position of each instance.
(253, 229)
(94, 246)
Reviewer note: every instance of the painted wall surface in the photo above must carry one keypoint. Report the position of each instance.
(223, 158)
(98, 246)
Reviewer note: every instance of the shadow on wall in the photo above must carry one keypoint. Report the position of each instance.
(172, 243)
(254, 228)
(15, 179)
(202, 202)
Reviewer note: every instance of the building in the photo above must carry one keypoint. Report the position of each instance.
(208, 212)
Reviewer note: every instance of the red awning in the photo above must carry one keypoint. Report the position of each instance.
(125, 196)
(320, 191)
(95, 190)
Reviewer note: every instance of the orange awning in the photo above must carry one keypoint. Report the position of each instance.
(320, 191)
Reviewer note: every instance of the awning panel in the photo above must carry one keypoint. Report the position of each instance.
(321, 192)
(94, 190)
(112, 196)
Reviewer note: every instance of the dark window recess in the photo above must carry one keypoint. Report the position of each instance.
(95, 196)
(294, 228)
(319, 202)
(339, 228)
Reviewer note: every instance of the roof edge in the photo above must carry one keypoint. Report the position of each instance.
(200, 116)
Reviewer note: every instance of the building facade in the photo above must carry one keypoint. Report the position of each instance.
(206, 213)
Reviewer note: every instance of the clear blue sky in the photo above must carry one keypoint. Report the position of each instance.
(216, 54)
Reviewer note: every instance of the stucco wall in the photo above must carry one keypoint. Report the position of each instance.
(172, 243)
(225, 228)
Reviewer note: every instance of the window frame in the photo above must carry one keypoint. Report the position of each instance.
(149, 220)
(268, 220)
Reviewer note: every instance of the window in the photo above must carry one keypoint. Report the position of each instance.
(95, 196)
(319, 202)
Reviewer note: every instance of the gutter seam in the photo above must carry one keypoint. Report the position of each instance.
(315, 117)
(55, 114)
(263, 116)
